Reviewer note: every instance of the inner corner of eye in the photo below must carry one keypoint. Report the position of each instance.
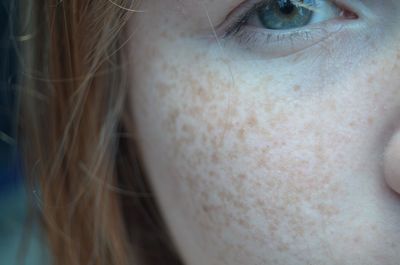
(346, 12)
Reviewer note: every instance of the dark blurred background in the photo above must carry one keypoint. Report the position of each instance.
(19, 237)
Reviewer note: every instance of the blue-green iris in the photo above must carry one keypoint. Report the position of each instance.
(285, 14)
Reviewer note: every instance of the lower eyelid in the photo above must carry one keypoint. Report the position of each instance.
(271, 44)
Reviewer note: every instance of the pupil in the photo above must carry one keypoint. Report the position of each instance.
(286, 14)
(286, 7)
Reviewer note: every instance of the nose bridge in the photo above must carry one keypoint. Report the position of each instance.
(396, 55)
(396, 59)
(389, 65)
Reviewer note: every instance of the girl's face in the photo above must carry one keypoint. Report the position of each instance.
(263, 127)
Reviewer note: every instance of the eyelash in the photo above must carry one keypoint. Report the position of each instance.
(244, 18)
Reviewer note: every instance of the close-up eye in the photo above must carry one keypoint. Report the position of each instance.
(287, 14)
(281, 27)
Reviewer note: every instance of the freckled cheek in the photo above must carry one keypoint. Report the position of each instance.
(238, 160)
(230, 152)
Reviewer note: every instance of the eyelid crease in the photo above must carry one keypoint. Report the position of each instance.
(232, 19)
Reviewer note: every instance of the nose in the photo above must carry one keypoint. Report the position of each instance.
(391, 158)
(391, 162)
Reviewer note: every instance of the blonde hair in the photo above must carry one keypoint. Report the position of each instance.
(97, 208)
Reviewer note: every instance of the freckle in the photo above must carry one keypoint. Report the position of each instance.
(227, 125)
(233, 110)
(258, 183)
(172, 118)
(211, 79)
(241, 134)
(227, 220)
(296, 88)
(260, 202)
(261, 162)
(215, 158)
(201, 93)
(191, 183)
(272, 227)
(283, 248)
(188, 128)
(356, 239)
(163, 89)
(205, 208)
(327, 210)
(233, 156)
(278, 119)
(269, 105)
(271, 184)
(238, 204)
(197, 57)
(352, 124)
(164, 34)
(298, 230)
(164, 66)
(183, 34)
(210, 128)
(370, 120)
(331, 105)
(226, 196)
(252, 121)
(242, 177)
(336, 188)
(271, 212)
(264, 150)
(370, 79)
(244, 223)
(195, 110)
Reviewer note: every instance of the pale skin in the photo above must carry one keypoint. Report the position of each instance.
(271, 156)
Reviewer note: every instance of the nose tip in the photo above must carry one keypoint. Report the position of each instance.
(391, 163)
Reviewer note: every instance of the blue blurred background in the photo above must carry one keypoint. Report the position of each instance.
(19, 237)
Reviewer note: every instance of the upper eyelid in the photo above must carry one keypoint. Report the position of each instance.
(242, 12)
(245, 9)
